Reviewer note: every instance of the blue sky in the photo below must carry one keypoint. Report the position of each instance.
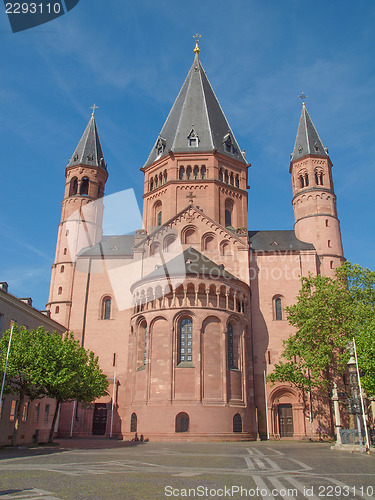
(131, 58)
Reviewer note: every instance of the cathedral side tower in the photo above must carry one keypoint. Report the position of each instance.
(81, 223)
(314, 199)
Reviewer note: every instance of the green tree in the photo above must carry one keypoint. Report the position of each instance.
(70, 372)
(361, 284)
(43, 364)
(316, 353)
(23, 376)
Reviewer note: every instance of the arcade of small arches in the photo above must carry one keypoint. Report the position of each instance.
(303, 178)
(190, 294)
(229, 178)
(81, 187)
(182, 422)
(158, 180)
(189, 235)
(192, 173)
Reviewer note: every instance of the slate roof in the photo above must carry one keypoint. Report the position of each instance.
(308, 141)
(89, 150)
(274, 241)
(110, 246)
(196, 113)
(195, 263)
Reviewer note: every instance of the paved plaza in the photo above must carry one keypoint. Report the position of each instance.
(101, 469)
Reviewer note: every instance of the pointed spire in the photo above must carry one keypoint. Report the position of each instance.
(308, 141)
(89, 150)
(196, 122)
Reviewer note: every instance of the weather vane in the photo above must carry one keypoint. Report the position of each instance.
(303, 97)
(94, 107)
(197, 36)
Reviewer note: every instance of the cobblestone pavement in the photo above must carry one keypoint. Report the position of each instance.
(100, 469)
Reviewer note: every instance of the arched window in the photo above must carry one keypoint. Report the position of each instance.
(188, 172)
(168, 243)
(221, 175)
(181, 173)
(278, 309)
(84, 186)
(65, 251)
(185, 340)
(306, 179)
(203, 172)
(196, 172)
(231, 179)
(157, 215)
(230, 347)
(133, 423)
(190, 236)
(59, 291)
(106, 308)
(62, 269)
(151, 184)
(165, 176)
(327, 223)
(182, 422)
(228, 213)
(73, 186)
(154, 248)
(329, 244)
(160, 179)
(226, 177)
(57, 310)
(156, 181)
(331, 265)
(302, 181)
(158, 218)
(237, 181)
(237, 423)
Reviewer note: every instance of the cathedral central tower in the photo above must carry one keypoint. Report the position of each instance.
(196, 160)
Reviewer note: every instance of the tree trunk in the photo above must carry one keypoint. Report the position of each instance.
(51, 432)
(17, 419)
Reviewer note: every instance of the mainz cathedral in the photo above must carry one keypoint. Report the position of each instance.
(187, 313)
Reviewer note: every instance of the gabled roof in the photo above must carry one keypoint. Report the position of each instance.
(277, 241)
(195, 264)
(89, 150)
(308, 141)
(110, 246)
(196, 114)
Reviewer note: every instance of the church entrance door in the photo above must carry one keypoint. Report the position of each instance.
(285, 412)
(100, 419)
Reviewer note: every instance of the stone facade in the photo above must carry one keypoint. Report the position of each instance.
(204, 321)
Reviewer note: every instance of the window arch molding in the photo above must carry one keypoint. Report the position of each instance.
(208, 241)
(157, 211)
(106, 307)
(229, 212)
(169, 242)
(189, 234)
(278, 307)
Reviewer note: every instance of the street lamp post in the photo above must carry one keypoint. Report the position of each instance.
(353, 402)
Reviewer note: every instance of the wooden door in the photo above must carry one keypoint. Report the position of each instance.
(100, 419)
(285, 412)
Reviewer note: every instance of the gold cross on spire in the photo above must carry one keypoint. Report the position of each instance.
(303, 97)
(197, 36)
(94, 107)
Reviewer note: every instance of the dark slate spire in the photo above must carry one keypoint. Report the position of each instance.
(308, 141)
(196, 121)
(89, 150)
